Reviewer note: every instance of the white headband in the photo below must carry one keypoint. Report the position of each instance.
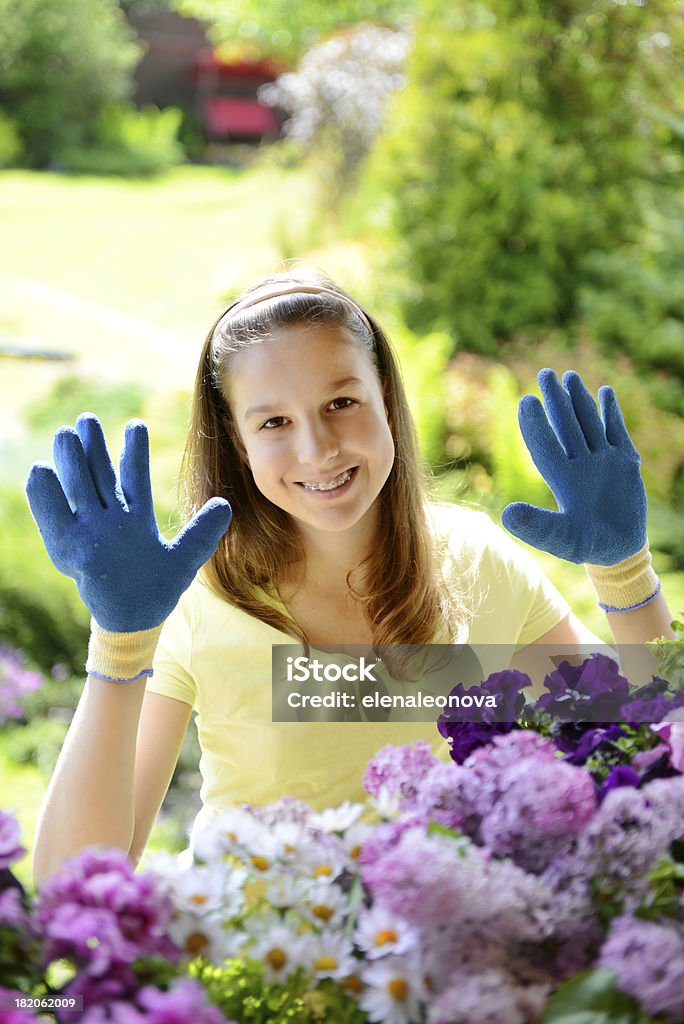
(296, 289)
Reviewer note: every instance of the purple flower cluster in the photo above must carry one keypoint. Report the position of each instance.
(11, 849)
(101, 916)
(528, 866)
(16, 680)
(399, 770)
(648, 959)
(185, 1001)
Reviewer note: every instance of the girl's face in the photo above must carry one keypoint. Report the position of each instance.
(309, 410)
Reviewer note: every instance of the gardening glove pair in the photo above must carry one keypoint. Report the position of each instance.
(592, 468)
(103, 534)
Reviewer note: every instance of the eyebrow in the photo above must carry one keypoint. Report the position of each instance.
(334, 385)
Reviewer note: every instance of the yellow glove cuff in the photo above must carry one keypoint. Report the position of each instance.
(627, 585)
(121, 657)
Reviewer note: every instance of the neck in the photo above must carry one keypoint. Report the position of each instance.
(330, 557)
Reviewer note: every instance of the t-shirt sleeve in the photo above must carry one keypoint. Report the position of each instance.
(172, 675)
(515, 602)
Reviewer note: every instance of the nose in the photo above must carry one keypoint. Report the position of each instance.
(317, 443)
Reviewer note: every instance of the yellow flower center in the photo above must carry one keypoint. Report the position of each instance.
(353, 984)
(355, 851)
(398, 989)
(196, 943)
(276, 958)
(199, 897)
(261, 863)
(322, 869)
(325, 913)
(388, 935)
(325, 963)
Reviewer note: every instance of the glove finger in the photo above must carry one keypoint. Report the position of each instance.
(543, 444)
(198, 540)
(585, 410)
(616, 431)
(561, 414)
(73, 471)
(89, 429)
(538, 527)
(134, 469)
(50, 509)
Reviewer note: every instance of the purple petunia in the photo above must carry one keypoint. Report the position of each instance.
(591, 692)
(620, 775)
(469, 728)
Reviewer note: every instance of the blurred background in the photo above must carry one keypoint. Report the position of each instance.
(499, 181)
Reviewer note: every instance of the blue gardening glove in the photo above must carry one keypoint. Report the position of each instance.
(104, 534)
(592, 467)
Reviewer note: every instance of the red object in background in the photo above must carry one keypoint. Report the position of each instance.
(226, 116)
(227, 101)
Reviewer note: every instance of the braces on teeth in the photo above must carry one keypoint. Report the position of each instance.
(332, 485)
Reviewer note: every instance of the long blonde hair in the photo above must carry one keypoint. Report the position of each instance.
(407, 601)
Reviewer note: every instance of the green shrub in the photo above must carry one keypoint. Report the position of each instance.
(61, 62)
(41, 613)
(112, 403)
(128, 143)
(10, 142)
(516, 157)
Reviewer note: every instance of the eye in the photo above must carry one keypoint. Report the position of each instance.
(343, 403)
(273, 423)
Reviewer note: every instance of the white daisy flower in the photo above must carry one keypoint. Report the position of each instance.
(329, 955)
(381, 933)
(209, 889)
(282, 951)
(322, 861)
(324, 904)
(228, 833)
(354, 838)
(206, 937)
(395, 991)
(337, 819)
(284, 890)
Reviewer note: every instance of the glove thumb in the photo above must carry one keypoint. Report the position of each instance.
(538, 527)
(198, 540)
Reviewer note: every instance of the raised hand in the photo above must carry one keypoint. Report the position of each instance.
(103, 533)
(589, 462)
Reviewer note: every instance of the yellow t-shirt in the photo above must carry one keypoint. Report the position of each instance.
(217, 658)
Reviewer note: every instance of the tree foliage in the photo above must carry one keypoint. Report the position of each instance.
(287, 30)
(61, 63)
(530, 141)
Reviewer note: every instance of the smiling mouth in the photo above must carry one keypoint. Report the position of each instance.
(332, 485)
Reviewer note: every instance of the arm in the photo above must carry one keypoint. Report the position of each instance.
(104, 535)
(90, 796)
(112, 774)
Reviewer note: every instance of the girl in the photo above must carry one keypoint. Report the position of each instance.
(301, 425)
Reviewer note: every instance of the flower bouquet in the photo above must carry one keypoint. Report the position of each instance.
(538, 876)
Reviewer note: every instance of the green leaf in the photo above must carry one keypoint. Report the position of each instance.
(592, 998)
